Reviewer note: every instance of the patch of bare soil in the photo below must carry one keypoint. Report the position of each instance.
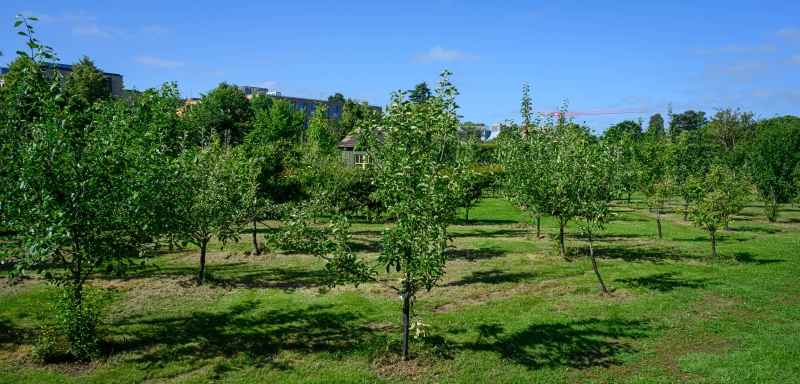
(391, 368)
(715, 303)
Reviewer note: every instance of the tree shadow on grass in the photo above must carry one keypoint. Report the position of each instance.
(576, 344)
(747, 257)
(474, 254)
(753, 228)
(643, 252)
(494, 276)
(495, 233)
(243, 275)
(664, 282)
(242, 328)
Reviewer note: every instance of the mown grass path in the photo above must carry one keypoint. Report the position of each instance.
(508, 310)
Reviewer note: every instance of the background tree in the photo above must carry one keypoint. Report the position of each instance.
(86, 84)
(686, 121)
(725, 195)
(354, 111)
(320, 135)
(420, 93)
(277, 119)
(472, 182)
(656, 126)
(226, 111)
(655, 179)
(337, 98)
(468, 130)
(627, 128)
(16, 70)
(731, 128)
(773, 156)
(691, 155)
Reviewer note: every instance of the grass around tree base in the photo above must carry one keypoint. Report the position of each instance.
(509, 309)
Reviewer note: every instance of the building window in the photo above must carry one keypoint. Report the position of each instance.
(361, 160)
(303, 107)
(313, 109)
(336, 110)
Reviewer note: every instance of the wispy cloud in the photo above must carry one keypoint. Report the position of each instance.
(734, 48)
(63, 17)
(636, 100)
(438, 54)
(288, 90)
(155, 61)
(760, 93)
(154, 30)
(743, 70)
(790, 33)
(794, 60)
(93, 30)
(366, 96)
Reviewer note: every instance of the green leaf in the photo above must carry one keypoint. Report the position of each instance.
(17, 23)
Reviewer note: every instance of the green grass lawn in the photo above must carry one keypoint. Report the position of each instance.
(509, 310)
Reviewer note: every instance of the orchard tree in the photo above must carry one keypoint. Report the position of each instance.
(80, 190)
(214, 196)
(474, 181)
(596, 171)
(419, 191)
(626, 129)
(655, 178)
(686, 121)
(725, 196)
(691, 155)
(772, 160)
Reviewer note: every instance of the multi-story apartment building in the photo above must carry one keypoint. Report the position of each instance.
(309, 106)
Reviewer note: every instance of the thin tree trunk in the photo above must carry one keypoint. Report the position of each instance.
(256, 251)
(726, 226)
(406, 312)
(203, 245)
(774, 207)
(685, 210)
(594, 264)
(629, 197)
(713, 245)
(561, 236)
(466, 215)
(658, 221)
(538, 226)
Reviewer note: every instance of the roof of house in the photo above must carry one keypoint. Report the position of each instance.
(350, 141)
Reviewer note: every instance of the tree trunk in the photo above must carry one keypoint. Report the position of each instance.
(629, 198)
(726, 226)
(594, 264)
(466, 214)
(658, 221)
(713, 245)
(256, 251)
(203, 245)
(774, 207)
(406, 312)
(561, 236)
(538, 226)
(685, 210)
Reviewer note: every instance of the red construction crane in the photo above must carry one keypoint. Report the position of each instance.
(600, 112)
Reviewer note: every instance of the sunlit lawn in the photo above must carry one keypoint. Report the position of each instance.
(509, 310)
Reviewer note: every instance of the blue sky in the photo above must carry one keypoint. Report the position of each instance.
(696, 55)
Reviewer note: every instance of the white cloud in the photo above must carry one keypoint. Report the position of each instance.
(63, 17)
(734, 48)
(793, 94)
(93, 30)
(438, 54)
(761, 93)
(789, 32)
(288, 90)
(154, 30)
(158, 62)
(794, 60)
(744, 69)
(636, 100)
